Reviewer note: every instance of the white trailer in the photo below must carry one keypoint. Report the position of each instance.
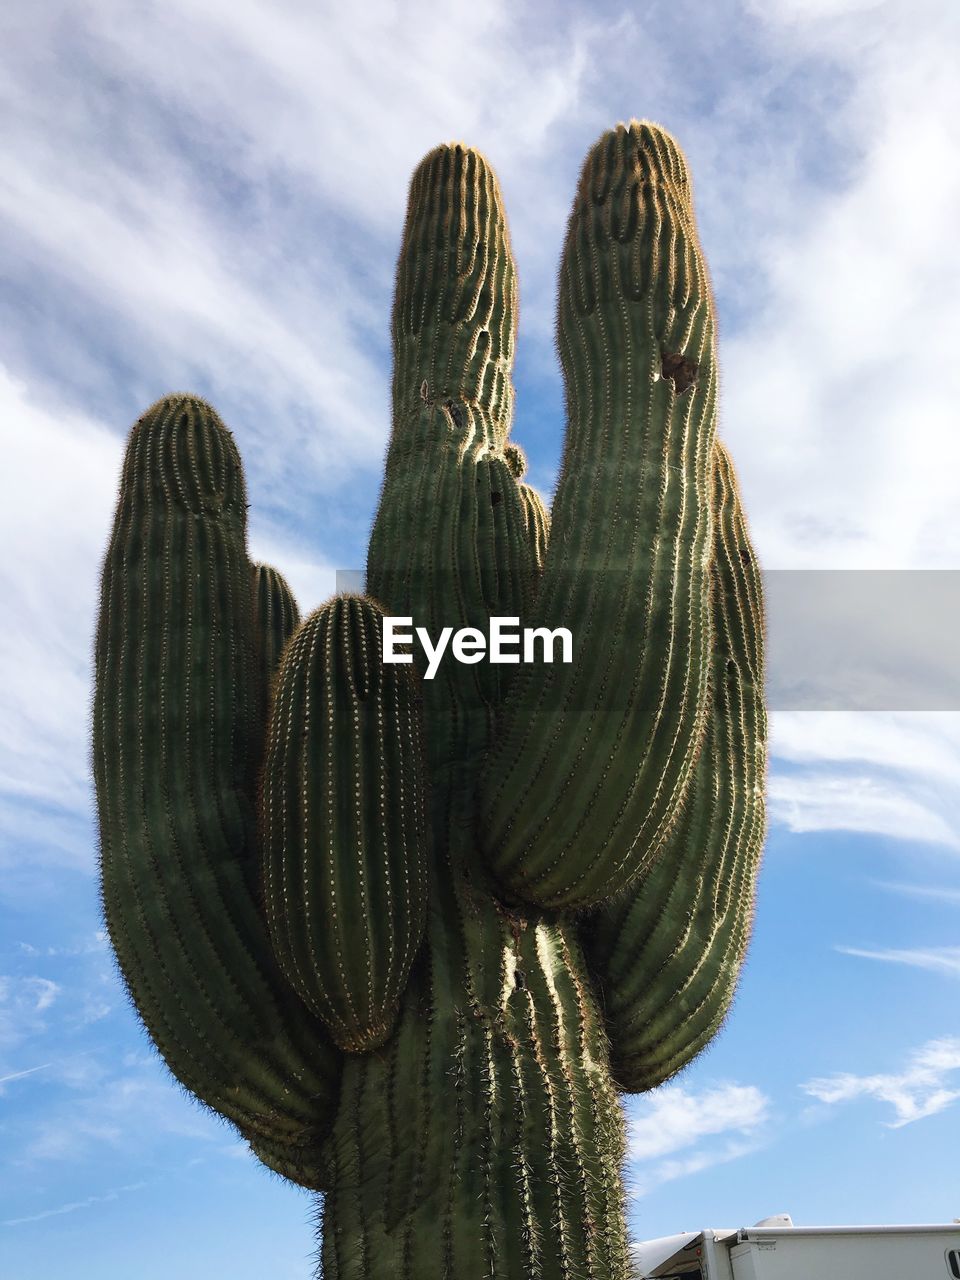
(775, 1249)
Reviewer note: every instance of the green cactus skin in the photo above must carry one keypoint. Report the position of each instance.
(535, 513)
(177, 740)
(344, 826)
(276, 616)
(538, 526)
(549, 885)
(591, 759)
(666, 958)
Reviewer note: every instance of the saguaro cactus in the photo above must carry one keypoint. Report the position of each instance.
(414, 937)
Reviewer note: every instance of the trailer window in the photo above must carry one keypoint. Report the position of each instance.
(953, 1262)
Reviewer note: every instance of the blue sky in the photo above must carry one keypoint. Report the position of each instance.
(209, 197)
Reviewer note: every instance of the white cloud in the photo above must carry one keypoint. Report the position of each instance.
(926, 892)
(20, 1075)
(95, 943)
(57, 491)
(93, 1107)
(942, 960)
(926, 744)
(842, 387)
(895, 774)
(45, 992)
(273, 292)
(74, 1205)
(641, 1184)
(23, 1003)
(920, 1090)
(821, 801)
(306, 75)
(805, 11)
(673, 1119)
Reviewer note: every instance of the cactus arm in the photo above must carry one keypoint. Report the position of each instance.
(275, 619)
(449, 544)
(455, 304)
(535, 512)
(538, 525)
(503, 1132)
(302, 1163)
(667, 952)
(177, 725)
(592, 758)
(344, 822)
(434, 550)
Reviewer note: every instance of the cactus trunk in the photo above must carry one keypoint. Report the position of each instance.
(486, 1137)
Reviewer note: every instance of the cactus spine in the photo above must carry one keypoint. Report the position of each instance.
(470, 910)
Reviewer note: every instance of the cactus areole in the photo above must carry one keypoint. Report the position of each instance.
(414, 938)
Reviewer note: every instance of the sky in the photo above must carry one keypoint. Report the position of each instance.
(208, 197)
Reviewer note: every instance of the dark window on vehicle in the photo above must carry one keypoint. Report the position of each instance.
(953, 1262)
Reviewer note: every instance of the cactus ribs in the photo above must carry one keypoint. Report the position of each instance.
(414, 938)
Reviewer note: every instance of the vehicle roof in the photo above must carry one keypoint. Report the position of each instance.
(680, 1254)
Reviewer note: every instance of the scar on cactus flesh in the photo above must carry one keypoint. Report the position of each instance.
(681, 371)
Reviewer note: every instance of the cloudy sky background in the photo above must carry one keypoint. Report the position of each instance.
(209, 197)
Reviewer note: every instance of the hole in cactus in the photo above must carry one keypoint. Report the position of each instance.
(455, 412)
(745, 556)
(495, 497)
(681, 371)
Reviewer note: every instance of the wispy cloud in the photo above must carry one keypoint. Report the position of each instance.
(674, 1118)
(836, 383)
(942, 960)
(99, 1108)
(19, 1075)
(276, 261)
(921, 744)
(922, 1089)
(820, 800)
(870, 385)
(894, 774)
(926, 892)
(75, 1206)
(96, 943)
(643, 1182)
(23, 1003)
(57, 489)
(311, 578)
